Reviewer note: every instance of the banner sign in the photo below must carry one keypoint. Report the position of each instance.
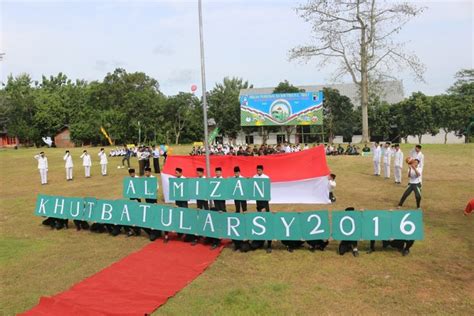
(134, 187)
(185, 189)
(309, 225)
(303, 108)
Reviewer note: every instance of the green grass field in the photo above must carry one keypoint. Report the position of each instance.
(436, 278)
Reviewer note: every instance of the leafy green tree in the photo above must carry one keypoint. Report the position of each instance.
(20, 108)
(179, 110)
(417, 114)
(339, 115)
(224, 105)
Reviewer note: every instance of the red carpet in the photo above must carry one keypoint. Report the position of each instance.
(136, 285)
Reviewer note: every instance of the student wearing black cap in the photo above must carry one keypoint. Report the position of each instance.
(201, 204)
(262, 206)
(239, 204)
(219, 204)
(129, 230)
(152, 233)
(179, 174)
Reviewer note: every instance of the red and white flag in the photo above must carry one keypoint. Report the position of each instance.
(300, 177)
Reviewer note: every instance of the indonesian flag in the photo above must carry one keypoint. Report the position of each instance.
(300, 177)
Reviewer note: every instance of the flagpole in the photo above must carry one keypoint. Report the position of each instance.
(204, 97)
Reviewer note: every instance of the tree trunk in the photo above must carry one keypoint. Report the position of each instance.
(364, 85)
(445, 136)
(419, 138)
(177, 138)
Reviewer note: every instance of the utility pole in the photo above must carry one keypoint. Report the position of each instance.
(204, 97)
(139, 134)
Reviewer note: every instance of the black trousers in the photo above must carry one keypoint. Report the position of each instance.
(202, 204)
(347, 246)
(127, 159)
(264, 205)
(385, 244)
(156, 165)
(412, 187)
(152, 233)
(293, 244)
(141, 167)
(147, 163)
(401, 244)
(332, 197)
(240, 205)
(317, 244)
(220, 205)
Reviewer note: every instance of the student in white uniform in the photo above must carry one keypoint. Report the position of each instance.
(265, 207)
(68, 165)
(417, 154)
(87, 163)
(376, 158)
(414, 183)
(398, 164)
(387, 159)
(103, 161)
(42, 167)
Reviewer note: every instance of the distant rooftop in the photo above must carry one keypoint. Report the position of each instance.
(390, 91)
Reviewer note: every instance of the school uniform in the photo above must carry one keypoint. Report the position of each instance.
(69, 165)
(156, 160)
(240, 204)
(387, 157)
(103, 162)
(414, 185)
(220, 204)
(398, 165)
(262, 205)
(331, 187)
(42, 168)
(86, 163)
(152, 233)
(202, 204)
(376, 159)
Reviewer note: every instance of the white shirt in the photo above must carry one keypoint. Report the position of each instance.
(387, 156)
(156, 153)
(261, 176)
(86, 160)
(42, 162)
(413, 177)
(103, 157)
(398, 158)
(331, 185)
(67, 157)
(377, 153)
(420, 157)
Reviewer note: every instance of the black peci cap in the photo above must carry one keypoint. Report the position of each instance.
(218, 169)
(260, 167)
(237, 169)
(178, 170)
(200, 169)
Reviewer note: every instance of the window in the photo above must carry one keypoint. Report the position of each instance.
(280, 138)
(249, 139)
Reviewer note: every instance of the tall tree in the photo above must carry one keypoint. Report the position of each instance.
(179, 109)
(359, 36)
(286, 87)
(224, 105)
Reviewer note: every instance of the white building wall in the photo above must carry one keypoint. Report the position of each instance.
(437, 139)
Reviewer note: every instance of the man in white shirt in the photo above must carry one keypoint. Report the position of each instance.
(398, 164)
(239, 204)
(68, 165)
(262, 206)
(103, 161)
(417, 154)
(153, 234)
(42, 167)
(376, 158)
(156, 159)
(414, 183)
(86, 163)
(387, 158)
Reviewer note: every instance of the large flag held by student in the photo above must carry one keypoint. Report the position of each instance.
(299, 177)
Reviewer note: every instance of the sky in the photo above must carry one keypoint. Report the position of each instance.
(243, 38)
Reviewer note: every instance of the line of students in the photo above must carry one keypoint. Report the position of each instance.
(69, 165)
